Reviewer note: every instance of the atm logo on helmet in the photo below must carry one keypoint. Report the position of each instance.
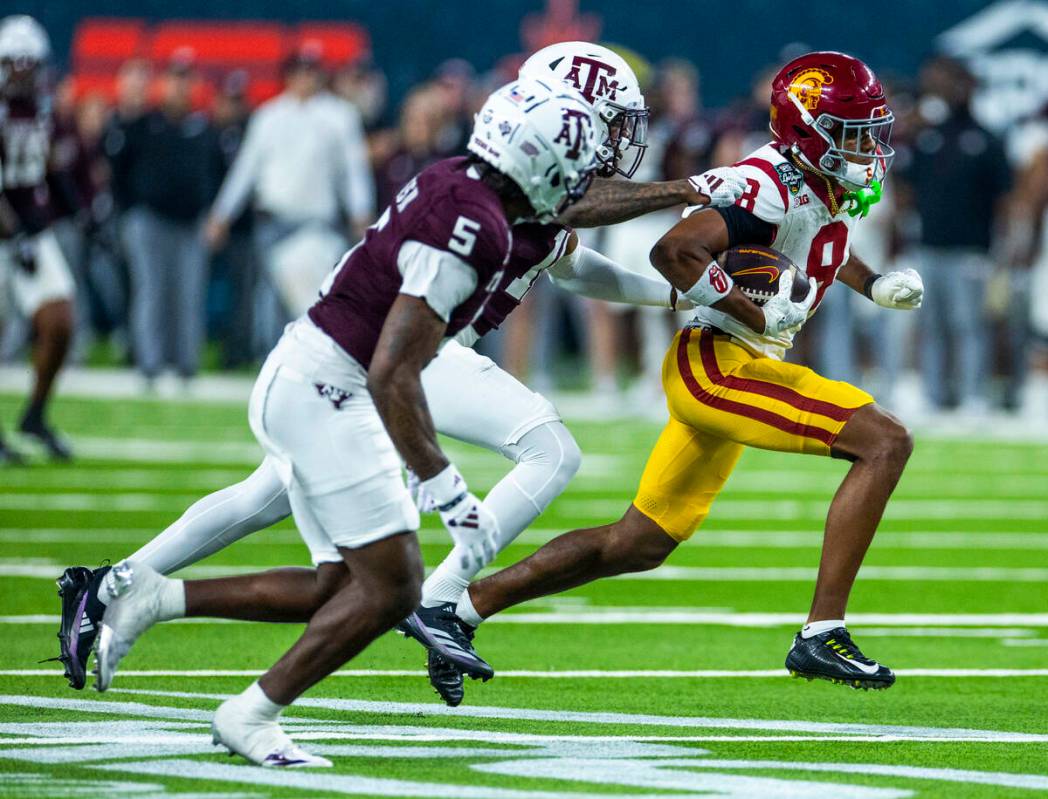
(807, 85)
(573, 131)
(599, 80)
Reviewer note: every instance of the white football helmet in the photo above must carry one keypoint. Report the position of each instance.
(543, 137)
(609, 85)
(24, 47)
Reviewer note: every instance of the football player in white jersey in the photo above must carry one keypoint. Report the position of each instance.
(497, 411)
(725, 382)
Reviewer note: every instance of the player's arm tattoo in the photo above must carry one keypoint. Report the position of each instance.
(410, 337)
(609, 202)
(855, 274)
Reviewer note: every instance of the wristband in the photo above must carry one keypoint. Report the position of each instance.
(867, 287)
(446, 488)
(712, 286)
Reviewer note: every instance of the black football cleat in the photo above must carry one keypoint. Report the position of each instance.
(56, 446)
(440, 629)
(834, 656)
(81, 618)
(445, 678)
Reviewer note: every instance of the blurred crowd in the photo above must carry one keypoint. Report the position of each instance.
(219, 224)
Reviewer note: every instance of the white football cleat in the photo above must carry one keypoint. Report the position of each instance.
(261, 742)
(134, 606)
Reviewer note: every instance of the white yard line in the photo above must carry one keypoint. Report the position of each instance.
(43, 569)
(697, 616)
(917, 509)
(728, 539)
(628, 719)
(577, 674)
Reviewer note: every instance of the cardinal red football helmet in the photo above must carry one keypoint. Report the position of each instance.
(830, 110)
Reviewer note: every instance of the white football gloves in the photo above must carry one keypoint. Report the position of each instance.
(781, 313)
(903, 290)
(472, 526)
(723, 185)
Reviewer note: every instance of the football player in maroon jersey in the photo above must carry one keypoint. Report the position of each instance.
(340, 397)
(34, 276)
(470, 398)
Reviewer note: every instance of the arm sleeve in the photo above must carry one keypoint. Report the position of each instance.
(745, 228)
(359, 188)
(443, 280)
(240, 180)
(587, 272)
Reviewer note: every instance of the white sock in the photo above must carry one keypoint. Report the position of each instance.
(816, 627)
(467, 612)
(172, 599)
(546, 459)
(257, 706)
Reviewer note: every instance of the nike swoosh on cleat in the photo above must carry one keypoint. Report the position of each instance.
(871, 669)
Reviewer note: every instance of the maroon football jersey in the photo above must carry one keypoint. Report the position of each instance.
(443, 207)
(25, 146)
(535, 248)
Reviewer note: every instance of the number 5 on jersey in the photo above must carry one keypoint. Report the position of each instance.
(464, 236)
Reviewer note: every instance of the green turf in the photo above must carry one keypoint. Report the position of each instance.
(966, 534)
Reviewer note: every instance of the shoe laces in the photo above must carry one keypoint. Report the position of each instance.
(841, 641)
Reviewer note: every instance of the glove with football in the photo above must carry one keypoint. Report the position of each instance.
(723, 185)
(472, 526)
(781, 313)
(902, 290)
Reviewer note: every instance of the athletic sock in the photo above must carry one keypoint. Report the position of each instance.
(172, 599)
(257, 706)
(466, 611)
(447, 582)
(814, 628)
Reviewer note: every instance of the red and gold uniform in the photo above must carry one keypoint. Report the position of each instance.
(726, 386)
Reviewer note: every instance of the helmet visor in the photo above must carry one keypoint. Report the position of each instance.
(858, 147)
(624, 148)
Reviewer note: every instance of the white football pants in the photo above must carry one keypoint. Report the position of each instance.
(472, 400)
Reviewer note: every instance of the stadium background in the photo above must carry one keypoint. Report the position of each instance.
(953, 593)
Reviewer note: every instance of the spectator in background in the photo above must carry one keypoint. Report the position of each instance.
(959, 178)
(304, 162)
(169, 165)
(414, 145)
(363, 85)
(73, 190)
(453, 83)
(230, 117)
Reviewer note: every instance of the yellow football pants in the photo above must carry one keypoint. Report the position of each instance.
(722, 397)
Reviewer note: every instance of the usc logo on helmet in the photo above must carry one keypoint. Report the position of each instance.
(807, 85)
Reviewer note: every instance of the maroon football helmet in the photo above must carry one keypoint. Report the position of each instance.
(830, 110)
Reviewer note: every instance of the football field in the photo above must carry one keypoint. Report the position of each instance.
(668, 683)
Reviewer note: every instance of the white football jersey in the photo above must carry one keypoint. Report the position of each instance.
(806, 232)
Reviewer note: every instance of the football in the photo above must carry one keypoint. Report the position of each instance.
(756, 271)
